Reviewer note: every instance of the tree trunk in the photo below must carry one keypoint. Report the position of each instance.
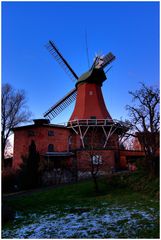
(2, 153)
(95, 183)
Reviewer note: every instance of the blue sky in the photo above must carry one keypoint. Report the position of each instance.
(128, 29)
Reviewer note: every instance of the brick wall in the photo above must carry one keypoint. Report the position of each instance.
(89, 102)
(124, 154)
(84, 158)
(24, 136)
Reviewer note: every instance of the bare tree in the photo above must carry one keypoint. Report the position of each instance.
(144, 118)
(14, 112)
(95, 163)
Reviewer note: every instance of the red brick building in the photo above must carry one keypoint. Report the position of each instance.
(90, 135)
(47, 137)
(57, 142)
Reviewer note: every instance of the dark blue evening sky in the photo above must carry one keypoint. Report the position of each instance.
(128, 29)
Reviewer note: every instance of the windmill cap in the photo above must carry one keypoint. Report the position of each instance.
(92, 76)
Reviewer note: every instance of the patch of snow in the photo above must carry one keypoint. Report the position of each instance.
(109, 223)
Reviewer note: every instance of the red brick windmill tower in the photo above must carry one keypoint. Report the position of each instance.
(89, 101)
(90, 112)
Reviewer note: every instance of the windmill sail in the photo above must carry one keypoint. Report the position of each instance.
(61, 60)
(61, 104)
(102, 62)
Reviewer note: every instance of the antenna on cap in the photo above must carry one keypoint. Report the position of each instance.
(87, 53)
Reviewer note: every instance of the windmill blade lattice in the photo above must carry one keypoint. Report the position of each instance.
(61, 104)
(102, 62)
(61, 60)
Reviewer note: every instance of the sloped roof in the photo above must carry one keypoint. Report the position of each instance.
(93, 76)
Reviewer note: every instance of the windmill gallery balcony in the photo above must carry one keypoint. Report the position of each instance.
(109, 127)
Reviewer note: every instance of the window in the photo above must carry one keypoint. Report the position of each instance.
(93, 121)
(31, 133)
(50, 148)
(96, 159)
(50, 133)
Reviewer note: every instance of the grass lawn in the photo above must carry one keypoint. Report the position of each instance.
(76, 211)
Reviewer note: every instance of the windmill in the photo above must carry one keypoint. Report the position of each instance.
(90, 110)
(96, 70)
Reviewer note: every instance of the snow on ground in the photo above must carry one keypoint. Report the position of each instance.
(104, 222)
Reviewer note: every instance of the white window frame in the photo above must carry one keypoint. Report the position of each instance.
(97, 159)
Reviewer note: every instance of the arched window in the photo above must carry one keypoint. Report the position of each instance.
(50, 148)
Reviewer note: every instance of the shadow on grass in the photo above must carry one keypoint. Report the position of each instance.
(123, 188)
